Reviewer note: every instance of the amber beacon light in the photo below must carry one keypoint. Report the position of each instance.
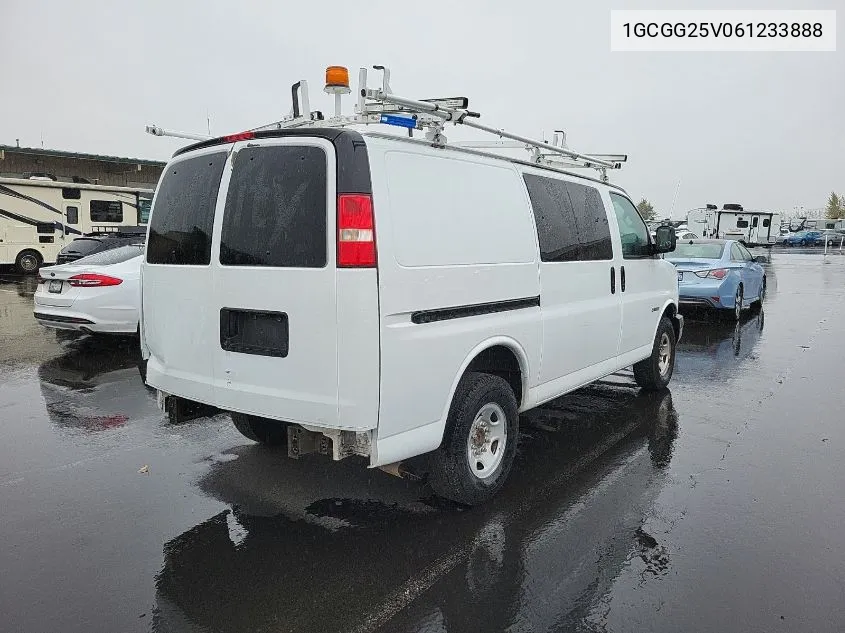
(337, 79)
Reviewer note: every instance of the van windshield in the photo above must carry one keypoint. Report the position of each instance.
(697, 250)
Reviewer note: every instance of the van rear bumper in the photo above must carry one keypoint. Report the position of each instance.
(309, 411)
(302, 439)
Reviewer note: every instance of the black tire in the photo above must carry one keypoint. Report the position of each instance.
(451, 475)
(736, 315)
(269, 432)
(762, 297)
(28, 262)
(652, 374)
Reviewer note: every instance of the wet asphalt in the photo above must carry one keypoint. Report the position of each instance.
(716, 506)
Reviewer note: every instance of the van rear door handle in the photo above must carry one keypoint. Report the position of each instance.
(612, 280)
(622, 277)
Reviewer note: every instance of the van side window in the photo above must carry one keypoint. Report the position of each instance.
(755, 220)
(555, 219)
(766, 222)
(275, 211)
(571, 220)
(71, 193)
(180, 227)
(741, 224)
(632, 229)
(106, 211)
(590, 222)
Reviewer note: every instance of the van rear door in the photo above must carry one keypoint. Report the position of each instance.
(274, 297)
(178, 326)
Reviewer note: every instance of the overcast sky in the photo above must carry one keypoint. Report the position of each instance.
(766, 130)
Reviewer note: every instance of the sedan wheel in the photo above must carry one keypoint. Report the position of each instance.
(738, 304)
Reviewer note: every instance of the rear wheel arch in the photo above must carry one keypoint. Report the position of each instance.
(500, 356)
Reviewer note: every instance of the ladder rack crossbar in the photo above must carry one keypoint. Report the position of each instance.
(382, 106)
(461, 117)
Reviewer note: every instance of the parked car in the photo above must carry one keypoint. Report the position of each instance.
(803, 238)
(290, 318)
(96, 294)
(831, 236)
(91, 243)
(720, 274)
(685, 235)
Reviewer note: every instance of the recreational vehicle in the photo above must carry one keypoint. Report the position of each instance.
(39, 217)
(732, 222)
(703, 221)
(822, 224)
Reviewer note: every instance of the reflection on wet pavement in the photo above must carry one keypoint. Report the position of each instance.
(716, 505)
(336, 547)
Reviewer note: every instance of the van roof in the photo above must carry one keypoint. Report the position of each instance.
(347, 141)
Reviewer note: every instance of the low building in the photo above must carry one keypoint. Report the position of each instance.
(62, 166)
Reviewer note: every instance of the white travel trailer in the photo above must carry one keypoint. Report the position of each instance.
(732, 222)
(702, 221)
(39, 217)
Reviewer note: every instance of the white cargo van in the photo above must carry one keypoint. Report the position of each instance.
(369, 294)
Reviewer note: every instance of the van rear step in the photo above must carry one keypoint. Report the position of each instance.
(302, 442)
(182, 410)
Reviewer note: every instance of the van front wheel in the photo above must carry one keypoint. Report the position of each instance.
(655, 372)
(479, 444)
(269, 432)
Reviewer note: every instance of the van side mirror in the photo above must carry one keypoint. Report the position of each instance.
(665, 239)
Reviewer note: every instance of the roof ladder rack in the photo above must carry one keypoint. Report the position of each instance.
(383, 107)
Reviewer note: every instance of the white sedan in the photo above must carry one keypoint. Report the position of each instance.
(98, 293)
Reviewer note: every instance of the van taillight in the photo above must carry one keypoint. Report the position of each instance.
(356, 240)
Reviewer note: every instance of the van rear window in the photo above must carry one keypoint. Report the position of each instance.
(180, 230)
(276, 208)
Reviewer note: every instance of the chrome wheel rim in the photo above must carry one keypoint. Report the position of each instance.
(487, 440)
(664, 354)
(29, 263)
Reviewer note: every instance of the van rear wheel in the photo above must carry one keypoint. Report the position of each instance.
(655, 372)
(479, 445)
(263, 430)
